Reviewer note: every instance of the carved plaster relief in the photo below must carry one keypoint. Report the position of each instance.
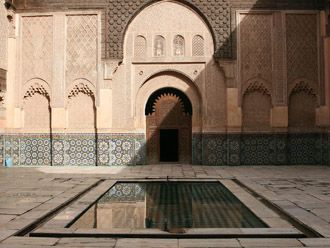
(4, 35)
(37, 48)
(81, 50)
(302, 48)
(255, 47)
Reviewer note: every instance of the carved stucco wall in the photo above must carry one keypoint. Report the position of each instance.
(3, 54)
(60, 49)
(256, 69)
(277, 88)
(158, 27)
(303, 69)
(256, 47)
(3, 36)
(81, 47)
(280, 61)
(37, 48)
(120, 13)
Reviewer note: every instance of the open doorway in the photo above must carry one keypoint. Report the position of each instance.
(169, 127)
(169, 145)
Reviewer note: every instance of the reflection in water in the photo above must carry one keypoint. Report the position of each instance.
(168, 205)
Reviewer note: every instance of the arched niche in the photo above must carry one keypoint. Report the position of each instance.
(81, 106)
(36, 106)
(256, 106)
(168, 79)
(302, 106)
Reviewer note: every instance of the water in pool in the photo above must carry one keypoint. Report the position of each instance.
(166, 206)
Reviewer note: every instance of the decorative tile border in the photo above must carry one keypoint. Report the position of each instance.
(130, 149)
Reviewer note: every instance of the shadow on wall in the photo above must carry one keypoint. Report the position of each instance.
(270, 86)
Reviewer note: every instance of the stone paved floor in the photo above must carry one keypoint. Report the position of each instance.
(28, 194)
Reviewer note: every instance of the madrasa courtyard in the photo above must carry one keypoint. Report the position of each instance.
(164, 123)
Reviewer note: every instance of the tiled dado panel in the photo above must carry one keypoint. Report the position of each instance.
(130, 149)
(74, 150)
(262, 149)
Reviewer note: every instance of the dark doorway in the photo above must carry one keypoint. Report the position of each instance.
(169, 127)
(169, 145)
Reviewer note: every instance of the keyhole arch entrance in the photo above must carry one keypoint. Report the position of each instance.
(169, 127)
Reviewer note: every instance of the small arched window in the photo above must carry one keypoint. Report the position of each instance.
(178, 46)
(159, 46)
(198, 46)
(140, 47)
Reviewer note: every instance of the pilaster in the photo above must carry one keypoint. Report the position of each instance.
(58, 90)
(234, 111)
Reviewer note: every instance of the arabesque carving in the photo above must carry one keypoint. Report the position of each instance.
(303, 86)
(80, 88)
(37, 47)
(36, 89)
(256, 46)
(81, 51)
(302, 47)
(257, 86)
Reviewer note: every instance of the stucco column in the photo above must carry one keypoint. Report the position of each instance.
(13, 114)
(279, 117)
(234, 111)
(323, 113)
(58, 86)
(104, 117)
